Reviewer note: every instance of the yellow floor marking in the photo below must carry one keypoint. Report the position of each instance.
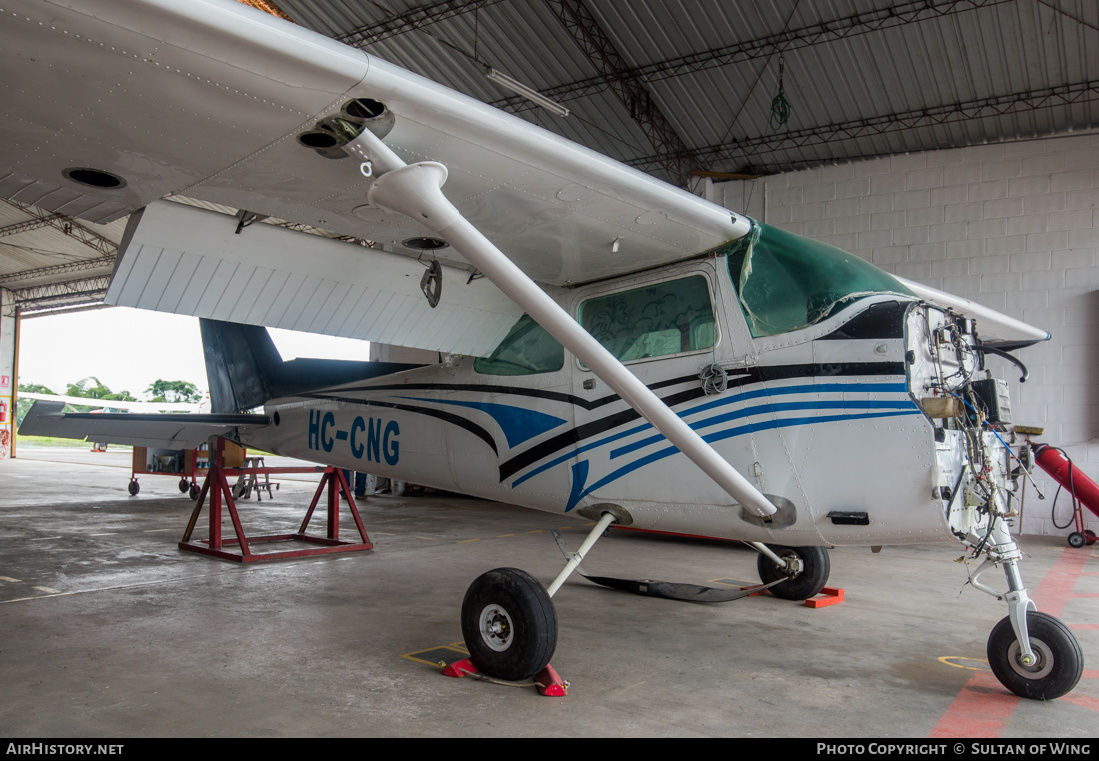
(429, 538)
(458, 648)
(504, 536)
(9, 578)
(466, 541)
(47, 590)
(961, 662)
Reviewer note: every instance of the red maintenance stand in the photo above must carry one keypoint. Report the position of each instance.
(217, 487)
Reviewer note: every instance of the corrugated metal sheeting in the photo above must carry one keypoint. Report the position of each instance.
(863, 77)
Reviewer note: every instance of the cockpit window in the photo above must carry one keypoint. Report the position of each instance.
(786, 282)
(526, 350)
(654, 321)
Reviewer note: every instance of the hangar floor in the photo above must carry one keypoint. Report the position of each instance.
(108, 630)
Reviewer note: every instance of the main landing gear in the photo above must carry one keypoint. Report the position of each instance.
(510, 625)
(805, 569)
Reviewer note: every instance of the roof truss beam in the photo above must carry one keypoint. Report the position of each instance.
(1034, 100)
(65, 224)
(631, 91)
(763, 47)
(416, 18)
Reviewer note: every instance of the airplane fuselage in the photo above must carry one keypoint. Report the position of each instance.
(825, 420)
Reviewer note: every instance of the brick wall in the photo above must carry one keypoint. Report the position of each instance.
(1013, 226)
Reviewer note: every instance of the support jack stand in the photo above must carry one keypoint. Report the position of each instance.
(218, 488)
(548, 681)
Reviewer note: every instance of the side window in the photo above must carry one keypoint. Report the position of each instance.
(527, 350)
(653, 321)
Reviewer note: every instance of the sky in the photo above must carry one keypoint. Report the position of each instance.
(129, 349)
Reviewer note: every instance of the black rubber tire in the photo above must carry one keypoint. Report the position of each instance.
(520, 605)
(193, 492)
(1077, 540)
(133, 488)
(1060, 658)
(808, 583)
(183, 486)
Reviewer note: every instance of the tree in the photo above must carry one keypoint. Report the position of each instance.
(92, 388)
(174, 391)
(23, 406)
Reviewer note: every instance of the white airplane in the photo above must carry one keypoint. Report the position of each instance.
(632, 355)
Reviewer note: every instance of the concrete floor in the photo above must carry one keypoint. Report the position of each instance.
(108, 630)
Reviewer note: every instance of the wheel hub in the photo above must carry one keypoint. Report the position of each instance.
(1042, 663)
(496, 628)
(792, 564)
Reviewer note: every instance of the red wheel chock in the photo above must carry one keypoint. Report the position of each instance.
(548, 681)
(827, 596)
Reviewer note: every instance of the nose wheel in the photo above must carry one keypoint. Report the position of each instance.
(1054, 666)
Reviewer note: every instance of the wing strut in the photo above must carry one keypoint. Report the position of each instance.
(415, 190)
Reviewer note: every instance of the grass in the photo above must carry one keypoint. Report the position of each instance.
(50, 441)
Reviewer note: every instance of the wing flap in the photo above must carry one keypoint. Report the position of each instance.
(173, 431)
(181, 259)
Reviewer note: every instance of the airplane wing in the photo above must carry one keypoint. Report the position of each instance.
(207, 99)
(148, 430)
(111, 403)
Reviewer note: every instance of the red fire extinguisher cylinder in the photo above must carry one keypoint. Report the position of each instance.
(1060, 468)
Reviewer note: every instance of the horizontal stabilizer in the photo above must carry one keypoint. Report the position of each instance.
(169, 430)
(184, 260)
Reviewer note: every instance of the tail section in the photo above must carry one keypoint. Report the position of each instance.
(244, 369)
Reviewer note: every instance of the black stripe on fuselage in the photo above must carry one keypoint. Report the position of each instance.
(739, 378)
(536, 393)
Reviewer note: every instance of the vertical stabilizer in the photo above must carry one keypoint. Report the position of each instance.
(245, 370)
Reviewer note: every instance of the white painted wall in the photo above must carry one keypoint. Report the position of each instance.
(7, 370)
(1013, 226)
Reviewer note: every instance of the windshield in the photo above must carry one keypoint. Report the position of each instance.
(786, 282)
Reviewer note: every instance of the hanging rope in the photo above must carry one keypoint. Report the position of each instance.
(780, 107)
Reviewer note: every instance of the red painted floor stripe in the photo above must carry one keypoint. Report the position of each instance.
(1053, 592)
(982, 709)
(1084, 701)
(1084, 627)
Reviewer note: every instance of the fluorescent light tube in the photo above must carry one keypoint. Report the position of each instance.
(532, 95)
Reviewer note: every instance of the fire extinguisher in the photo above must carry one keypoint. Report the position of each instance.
(1057, 464)
(3, 412)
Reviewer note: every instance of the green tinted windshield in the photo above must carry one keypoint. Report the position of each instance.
(785, 282)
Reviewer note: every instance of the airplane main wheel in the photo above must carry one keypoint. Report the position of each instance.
(1059, 660)
(808, 582)
(509, 624)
